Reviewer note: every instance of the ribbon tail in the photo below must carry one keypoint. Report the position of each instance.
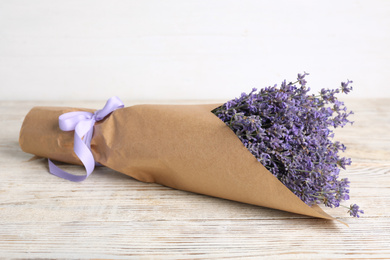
(81, 149)
(85, 156)
(55, 170)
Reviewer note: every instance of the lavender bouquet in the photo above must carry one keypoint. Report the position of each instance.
(289, 131)
(189, 148)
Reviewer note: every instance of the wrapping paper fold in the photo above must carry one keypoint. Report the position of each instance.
(185, 147)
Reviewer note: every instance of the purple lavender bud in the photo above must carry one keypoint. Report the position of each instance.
(344, 87)
(354, 210)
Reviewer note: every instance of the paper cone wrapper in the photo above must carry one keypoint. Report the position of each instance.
(185, 147)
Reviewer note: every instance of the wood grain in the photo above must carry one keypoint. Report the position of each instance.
(111, 215)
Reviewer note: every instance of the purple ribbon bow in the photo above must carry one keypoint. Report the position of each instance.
(83, 123)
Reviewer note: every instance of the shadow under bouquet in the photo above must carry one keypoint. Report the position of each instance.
(271, 148)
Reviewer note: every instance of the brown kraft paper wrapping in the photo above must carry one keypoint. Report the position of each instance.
(185, 147)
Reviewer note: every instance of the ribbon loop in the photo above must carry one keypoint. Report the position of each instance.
(83, 124)
(68, 121)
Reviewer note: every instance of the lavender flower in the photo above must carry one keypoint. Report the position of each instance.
(289, 132)
(354, 210)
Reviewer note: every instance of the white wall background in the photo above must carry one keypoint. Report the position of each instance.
(189, 49)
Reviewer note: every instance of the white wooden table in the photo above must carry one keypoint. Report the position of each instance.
(111, 215)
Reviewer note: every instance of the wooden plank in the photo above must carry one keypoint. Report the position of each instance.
(114, 216)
